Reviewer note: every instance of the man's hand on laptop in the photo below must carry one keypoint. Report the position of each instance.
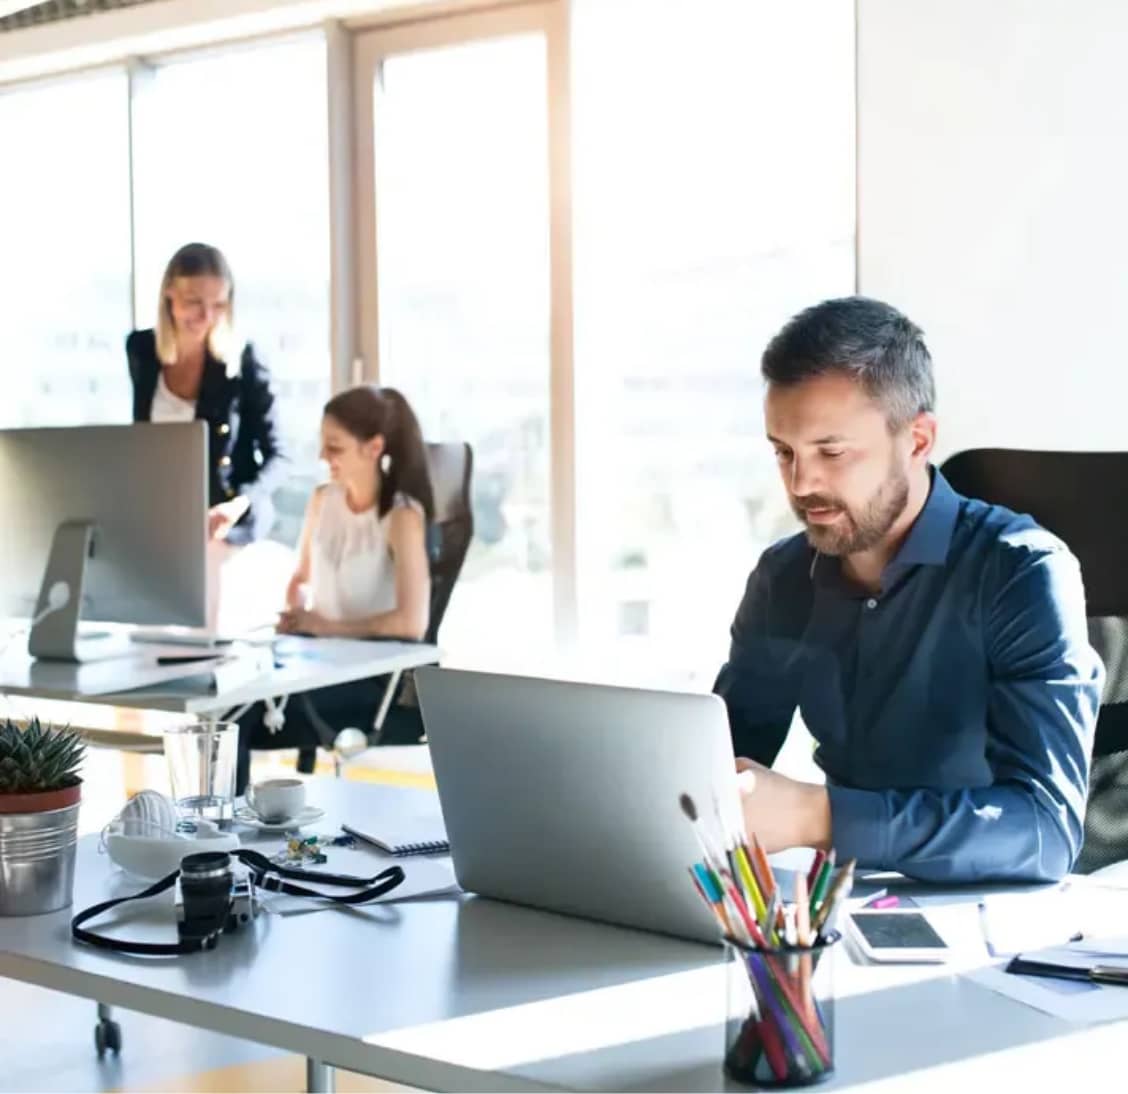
(782, 812)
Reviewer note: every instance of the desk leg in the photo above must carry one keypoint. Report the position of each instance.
(320, 1077)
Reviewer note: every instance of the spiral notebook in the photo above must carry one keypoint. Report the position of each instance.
(405, 836)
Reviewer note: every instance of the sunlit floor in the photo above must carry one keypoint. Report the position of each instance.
(48, 1045)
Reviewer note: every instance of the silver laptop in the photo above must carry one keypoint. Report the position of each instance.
(564, 796)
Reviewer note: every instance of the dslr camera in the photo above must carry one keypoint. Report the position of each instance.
(212, 898)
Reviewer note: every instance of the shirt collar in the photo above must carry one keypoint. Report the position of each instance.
(931, 534)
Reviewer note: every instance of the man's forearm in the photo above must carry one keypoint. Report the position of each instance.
(1000, 833)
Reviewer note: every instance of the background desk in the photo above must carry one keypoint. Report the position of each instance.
(465, 993)
(302, 665)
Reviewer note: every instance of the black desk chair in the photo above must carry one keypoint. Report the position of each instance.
(1082, 497)
(448, 540)
(452, 468)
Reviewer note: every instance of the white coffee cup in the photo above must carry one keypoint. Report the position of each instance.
(276, 800)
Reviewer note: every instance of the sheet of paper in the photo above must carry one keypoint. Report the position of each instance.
(1023, 922)
(1068, 1000)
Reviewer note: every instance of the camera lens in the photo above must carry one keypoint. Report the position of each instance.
(206, 882)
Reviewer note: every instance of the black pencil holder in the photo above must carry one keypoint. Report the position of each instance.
(779, 1029)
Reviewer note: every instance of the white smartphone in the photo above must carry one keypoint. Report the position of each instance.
(896, 934)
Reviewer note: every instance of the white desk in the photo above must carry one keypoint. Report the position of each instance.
(301, 664)
(467, 994)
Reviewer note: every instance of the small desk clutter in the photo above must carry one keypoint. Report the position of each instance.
(273, 855)
(1063, 951)
(276, 834)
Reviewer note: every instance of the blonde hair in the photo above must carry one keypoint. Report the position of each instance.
(198, 260)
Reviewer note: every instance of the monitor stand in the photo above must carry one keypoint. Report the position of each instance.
(55, 631)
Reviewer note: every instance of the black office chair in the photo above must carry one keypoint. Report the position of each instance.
(451, 467)
(448, 540)
(1082, 497)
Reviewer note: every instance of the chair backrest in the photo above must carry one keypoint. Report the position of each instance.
(451, 467)
(1082, 497)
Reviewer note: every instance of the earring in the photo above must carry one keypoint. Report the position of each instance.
(385, 462)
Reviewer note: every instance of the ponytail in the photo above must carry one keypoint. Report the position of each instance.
(369, 411)
(406, 457)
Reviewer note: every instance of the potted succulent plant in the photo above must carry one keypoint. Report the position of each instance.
(40, 792)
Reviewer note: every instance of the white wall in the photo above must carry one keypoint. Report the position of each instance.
(993, 208)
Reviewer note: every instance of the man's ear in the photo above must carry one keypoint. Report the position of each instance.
(922, 434)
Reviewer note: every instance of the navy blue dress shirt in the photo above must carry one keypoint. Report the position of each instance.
(953, 711)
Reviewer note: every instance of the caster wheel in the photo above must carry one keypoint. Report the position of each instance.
(107, 1037)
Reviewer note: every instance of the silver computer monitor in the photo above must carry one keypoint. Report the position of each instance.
(103, 523)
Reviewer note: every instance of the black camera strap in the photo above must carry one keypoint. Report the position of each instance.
(156, 949)
(265, 875)
(268, 875)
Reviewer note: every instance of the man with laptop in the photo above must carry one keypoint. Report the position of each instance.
(936, 646)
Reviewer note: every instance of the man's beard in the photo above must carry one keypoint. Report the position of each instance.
(854, 532)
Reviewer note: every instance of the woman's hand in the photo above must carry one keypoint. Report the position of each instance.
(300, 621)
(296, 593)
(223, 517)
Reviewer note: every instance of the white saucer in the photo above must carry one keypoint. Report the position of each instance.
(307, 816)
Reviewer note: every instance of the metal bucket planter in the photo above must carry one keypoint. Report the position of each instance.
(37, 845)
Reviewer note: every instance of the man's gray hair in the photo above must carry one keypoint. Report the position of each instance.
(859, 337)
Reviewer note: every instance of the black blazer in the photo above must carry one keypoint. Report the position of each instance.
(244, 454)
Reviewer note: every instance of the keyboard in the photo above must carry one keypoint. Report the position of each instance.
(197, 636)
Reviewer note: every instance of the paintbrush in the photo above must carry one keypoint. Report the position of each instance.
(712, 856)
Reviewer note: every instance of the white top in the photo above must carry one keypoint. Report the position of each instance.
(351, 571)
(168, 407)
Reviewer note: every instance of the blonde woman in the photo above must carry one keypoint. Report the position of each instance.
(190, 366)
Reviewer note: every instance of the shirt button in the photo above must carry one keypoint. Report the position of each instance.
(871, 603)
(225, 462)
(224, 429)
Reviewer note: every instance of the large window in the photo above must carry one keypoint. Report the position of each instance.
(64, 251)
(231, 149)
(462, 237)
(504, 262)
(714, 197)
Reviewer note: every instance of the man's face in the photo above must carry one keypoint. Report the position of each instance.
(846, 476)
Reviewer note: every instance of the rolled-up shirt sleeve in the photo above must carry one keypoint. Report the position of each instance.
(1043, 699)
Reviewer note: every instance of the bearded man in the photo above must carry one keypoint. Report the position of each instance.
(936, 646)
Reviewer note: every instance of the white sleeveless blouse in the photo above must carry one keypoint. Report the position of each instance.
(351, 570)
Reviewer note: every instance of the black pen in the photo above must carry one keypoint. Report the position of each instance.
(1099, 974)
(189, 658)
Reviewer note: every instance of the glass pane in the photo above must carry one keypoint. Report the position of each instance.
(713, 198)
(254, 121)
(64, 227)
(462, 251)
